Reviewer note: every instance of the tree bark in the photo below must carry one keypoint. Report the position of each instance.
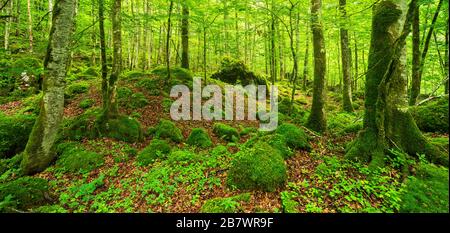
(101, 23)
(169, 24)
(306, 62)
(317, 118)
(416, 82)
(387, 121)
(415, 87)
(39, 152)
(185, 37)
(346, 64)
(111, 108)
(30, 25)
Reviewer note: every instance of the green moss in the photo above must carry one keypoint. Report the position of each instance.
(124, 94)
(295, 137)
(168, 130)
(183, 157)
(50, 209)
(279, 143)
(91, 71)
(23, 193)
(157, 149)
(179, 75)
(152, 86)
(199, 137)
(432, 116)
(14, 132)
(226, 132)
(236, 72)
(225, 205)
(86, 103)
(259, 167)
(123, 128)
(135, 75)
(167, 104)
(81, 126)
(441, 142)
(344, 123)
(75, 158)
(427, 192)
(138, 100)
(77, 88)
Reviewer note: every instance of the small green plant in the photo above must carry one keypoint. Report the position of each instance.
(23, 193)
(225, 205)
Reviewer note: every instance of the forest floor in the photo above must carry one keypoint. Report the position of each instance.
(319, 180)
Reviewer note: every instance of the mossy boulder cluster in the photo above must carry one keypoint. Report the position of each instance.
(295, 137)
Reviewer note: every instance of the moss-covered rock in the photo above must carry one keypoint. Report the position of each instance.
(73, 157)
(82, 126)
(199, 137)
(225, 205)
(157, 149)
(226, 132)
(432, 116)
(137, 100)
(86, 103)
(295, 137)
(152, 86)
(236, 72)
(168, 130)
(344, 123)
(259, 167)
(14, 132)
(427, 192)
(23, 193)
(77, 88)
(122, 128)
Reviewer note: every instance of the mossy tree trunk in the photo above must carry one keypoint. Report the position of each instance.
(346, 63)
(101, 20)
(387, 121)
(110, 104)
(39, 152)
(415, 80)
(317, 119)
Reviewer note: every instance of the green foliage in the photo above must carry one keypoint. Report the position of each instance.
(122, 128)
(178, 75)
(344, 123)
(295, 137)
(86, 103)
(167, 104)
(258, 167)
(77, 88)
(23, 193)
(441, 142)
(168, 130)
(135, 75)
(123, 95)
(50, 209)
(91, 71)
(199, 137)
(226, 132)
(14, 132)
(81, 126)
(225, 205)
(288, 203)
(279, 143)
(157, 149)
(236, 72)
(138, 100)
(76, 159)
(432, 116)
(152, 86)
(427, 192)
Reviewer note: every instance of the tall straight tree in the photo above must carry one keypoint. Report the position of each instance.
(415, 56)
(39, 152)
(101, 23)
(346, 63)
(387, 121)
(169, 24)
(416, 83)
(317, 118)
(30, 25)
(110, 106)
(185, 36)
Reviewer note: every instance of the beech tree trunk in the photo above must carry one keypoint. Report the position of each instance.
(30, 25)
(185, 37)
(39, 152)
(346, 63)
(317, 118)
(387, 121)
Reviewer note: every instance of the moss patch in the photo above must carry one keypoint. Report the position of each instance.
(14, 132)
(295, 137)
(157, 149)
(168, 130)
(226, 132)
(199, 137)
(432, 116)
(75, 158)
(225, 205)
(23, 193)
